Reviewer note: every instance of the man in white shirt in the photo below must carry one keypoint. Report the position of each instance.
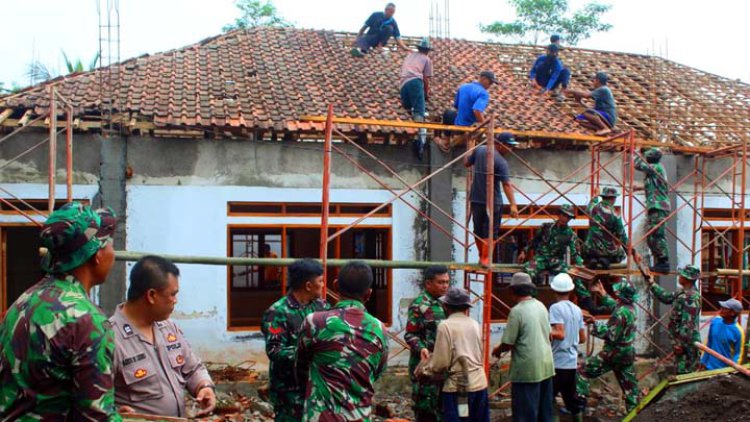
(568, 330)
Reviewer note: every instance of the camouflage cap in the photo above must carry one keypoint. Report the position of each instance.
(625, 291)
(691, 272)
(568, 210)
(73, 234)
(609, 192)
(653, 154)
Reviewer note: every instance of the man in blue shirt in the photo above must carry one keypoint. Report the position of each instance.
(725, 336)
(478, 194)
(469, 105)
(603, 116)
(381, 26)
(548, 73)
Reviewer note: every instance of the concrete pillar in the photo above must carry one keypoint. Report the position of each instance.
(441, 193)
(675, 168)
(112, 172)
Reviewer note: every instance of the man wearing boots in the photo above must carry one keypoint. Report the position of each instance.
(416, 72)
(657, 202)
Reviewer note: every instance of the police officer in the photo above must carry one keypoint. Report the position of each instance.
(56, 345)
(154, 364)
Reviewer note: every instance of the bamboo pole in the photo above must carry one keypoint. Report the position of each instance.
(740, 369)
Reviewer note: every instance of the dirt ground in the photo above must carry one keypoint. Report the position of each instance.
(723, 398)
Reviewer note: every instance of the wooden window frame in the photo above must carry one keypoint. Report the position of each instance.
(337, 253)
(334, 210)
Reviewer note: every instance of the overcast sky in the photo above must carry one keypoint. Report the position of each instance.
(707, 35)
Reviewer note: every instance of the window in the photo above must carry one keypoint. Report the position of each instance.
(19, 262)
(507, 251)
(252, 289)
(718, 253)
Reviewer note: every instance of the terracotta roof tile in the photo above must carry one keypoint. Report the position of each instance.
(266, 78)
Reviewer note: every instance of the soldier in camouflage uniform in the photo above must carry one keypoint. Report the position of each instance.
(551, 242)
(342, 352)
(606, 236)
(618, 353)
(57, 346)
(281, 326)
(658, 206)
(425, 313)
(684, 320)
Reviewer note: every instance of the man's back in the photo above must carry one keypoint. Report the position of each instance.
(605, 101)
(57, 351)
(478, 160)
(565, 352)
(470, 96)
(342, 352)
(528, 331)
(416, 66)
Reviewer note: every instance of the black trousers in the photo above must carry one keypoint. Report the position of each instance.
(482, 220)
(565, 384)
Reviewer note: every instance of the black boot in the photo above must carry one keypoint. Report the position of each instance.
(661, 266)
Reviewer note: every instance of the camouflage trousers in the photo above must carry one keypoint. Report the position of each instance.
(427, 404)
(544, 263)
(622, 364)
(657, 240)
(288, 406)
(688, 360)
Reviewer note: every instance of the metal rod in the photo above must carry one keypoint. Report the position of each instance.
(52, 147)
(10, 135)
(69, 154)
(326, 203)
(489, 276)
(20, 211)
(741, 234)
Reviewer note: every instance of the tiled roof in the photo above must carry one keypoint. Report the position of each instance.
(266, 78)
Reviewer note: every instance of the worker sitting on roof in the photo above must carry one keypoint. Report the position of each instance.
(471, 100)
(603, 116)
(381, 26)
(550, 244)
(549, 75)
(416, 72)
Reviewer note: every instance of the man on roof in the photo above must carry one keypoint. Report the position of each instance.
(603, 117)
(380, 27)
(416, 72)
(555, 39)
(469, 105)
(548, 74)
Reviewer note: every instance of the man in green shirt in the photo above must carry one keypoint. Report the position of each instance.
(526, 335)
(56, 345)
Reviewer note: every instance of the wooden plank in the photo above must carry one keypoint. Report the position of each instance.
(578, 137)
(24, 120)
(5, 114)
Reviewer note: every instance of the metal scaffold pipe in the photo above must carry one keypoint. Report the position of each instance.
(285, 262)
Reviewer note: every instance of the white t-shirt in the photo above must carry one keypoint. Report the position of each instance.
(565, 352)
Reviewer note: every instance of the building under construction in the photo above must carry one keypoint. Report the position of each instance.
(235, 147)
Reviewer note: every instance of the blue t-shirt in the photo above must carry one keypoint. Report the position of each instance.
(727, 339)
(478, 159)
(377, 21)
(565, 352)
(545, 72)
(470, 97)
(605, 101)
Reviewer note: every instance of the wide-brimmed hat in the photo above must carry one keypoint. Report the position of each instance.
(609, 192)
(691, 272)
(568, 210)
(521, 279)
(456, 297)
(625, 291)
(73, 234)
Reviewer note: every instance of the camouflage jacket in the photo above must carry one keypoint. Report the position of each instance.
(57, 351)
(655, 184)
(280, 326)
(425, 313)
(552, 241)
(684, 319)
(342, 352)
(604, 224)
(619, 332)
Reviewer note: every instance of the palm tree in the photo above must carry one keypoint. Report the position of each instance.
(39, 72)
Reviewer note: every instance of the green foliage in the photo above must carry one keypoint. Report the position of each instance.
(78, 65)
(537, 19)
(39, 72)
(256, 13)
(14, 87)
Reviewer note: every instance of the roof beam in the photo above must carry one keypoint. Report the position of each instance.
(576, 137)
(5, 114)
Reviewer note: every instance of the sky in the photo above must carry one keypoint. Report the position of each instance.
(706, 35)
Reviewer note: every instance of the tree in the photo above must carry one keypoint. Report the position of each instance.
(39, 72)
(256, 13)
(537, 19)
